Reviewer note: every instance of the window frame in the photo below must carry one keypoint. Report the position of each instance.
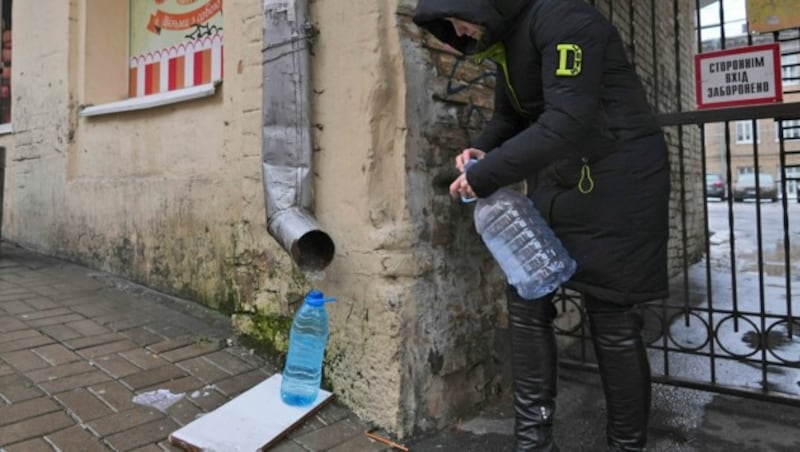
(790, 69)
(745, 132)
(793, 133)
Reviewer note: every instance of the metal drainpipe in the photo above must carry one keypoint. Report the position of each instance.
(286, 135)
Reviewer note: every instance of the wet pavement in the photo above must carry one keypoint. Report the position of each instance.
(92, 362)
(682, 420)
(85, 358)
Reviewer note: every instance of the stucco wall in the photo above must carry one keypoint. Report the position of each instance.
(359, 106)
(36, 152)
(413, 331)
(170, 197)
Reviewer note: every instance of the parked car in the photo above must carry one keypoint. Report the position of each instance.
(745, 188)
(715, 186)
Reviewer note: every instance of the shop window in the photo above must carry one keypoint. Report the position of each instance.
(145, 53)
(174, 44)
(5, 75)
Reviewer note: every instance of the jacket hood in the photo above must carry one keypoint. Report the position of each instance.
(496, 16)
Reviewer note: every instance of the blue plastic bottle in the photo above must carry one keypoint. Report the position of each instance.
(308, 337)
(533, 259)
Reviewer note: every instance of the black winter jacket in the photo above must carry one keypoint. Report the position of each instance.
(571, 118)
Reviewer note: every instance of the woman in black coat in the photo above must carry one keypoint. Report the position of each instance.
(570, 118)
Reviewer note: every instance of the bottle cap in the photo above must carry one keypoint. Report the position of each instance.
(467, 165)
(316, 298)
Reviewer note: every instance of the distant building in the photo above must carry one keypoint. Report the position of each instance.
(748, 138)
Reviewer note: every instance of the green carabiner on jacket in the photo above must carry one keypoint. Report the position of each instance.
(586, 184)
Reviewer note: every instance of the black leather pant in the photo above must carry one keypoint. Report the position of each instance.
(621, 357)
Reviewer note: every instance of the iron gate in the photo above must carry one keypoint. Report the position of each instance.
(731, 324)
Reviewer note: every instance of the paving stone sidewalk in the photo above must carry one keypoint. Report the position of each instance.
(77, 346)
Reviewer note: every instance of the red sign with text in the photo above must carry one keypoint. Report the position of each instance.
(743, 76)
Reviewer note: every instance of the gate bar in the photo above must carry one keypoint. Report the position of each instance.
(789, 110)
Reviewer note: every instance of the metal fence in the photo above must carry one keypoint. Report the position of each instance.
(731, 323)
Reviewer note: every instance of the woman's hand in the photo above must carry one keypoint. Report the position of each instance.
(466, 155)
(460, 186)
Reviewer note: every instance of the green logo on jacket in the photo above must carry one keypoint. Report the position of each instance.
(565, 50)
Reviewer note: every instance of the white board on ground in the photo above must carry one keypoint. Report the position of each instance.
(253, 420)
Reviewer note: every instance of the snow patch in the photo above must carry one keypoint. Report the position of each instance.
(160, 399)
(205, 392)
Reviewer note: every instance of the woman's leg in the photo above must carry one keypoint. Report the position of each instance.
(625, 372)
(534, 363)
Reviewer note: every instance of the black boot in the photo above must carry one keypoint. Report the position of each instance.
(625, 373)
(534, 368)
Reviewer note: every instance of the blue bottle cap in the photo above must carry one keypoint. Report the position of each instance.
(464, 199)
(316, 298)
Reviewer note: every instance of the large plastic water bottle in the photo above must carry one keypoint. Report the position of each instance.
(308, 337)
(532, 257)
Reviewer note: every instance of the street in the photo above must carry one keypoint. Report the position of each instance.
(729, 321)
(746, 226)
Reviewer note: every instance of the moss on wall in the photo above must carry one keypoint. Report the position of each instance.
(267, 333)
